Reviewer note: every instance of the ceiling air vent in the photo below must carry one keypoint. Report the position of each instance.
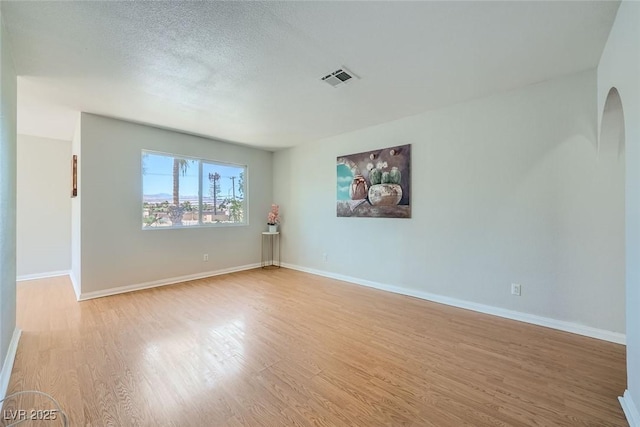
(339, 77)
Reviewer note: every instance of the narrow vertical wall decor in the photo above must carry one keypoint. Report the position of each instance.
(74, 182)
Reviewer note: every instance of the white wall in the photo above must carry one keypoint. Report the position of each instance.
(7, 198)
(506, 189)
(115, 250)
(620, 67)
(43, 206)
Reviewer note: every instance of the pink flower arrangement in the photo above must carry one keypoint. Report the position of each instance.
(273, 217)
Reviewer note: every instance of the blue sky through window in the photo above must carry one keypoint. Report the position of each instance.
(158, 177)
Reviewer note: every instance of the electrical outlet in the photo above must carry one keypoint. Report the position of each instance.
(205, 257)
(516, 289)
(325, 258)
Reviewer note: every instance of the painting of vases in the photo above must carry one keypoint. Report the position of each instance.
(375, 183)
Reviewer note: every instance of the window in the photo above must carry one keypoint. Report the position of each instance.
(180, 191)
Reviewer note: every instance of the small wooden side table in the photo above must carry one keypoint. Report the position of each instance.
(270, 247)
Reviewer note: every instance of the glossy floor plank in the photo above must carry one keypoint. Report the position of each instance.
(280, 347)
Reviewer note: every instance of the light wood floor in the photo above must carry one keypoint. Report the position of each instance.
(280, 347)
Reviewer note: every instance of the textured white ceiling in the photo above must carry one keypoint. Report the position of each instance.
(250, 72)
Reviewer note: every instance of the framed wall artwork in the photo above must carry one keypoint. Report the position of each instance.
(74, 176)
(375, 183)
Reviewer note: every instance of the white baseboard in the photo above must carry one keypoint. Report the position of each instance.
(163, 282)
(561, 325)
(46, 275)
(630, 409)
(7, 366)
(75, 283)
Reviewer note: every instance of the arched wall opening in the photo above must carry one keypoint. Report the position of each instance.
(612, 133)
(611, 178)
